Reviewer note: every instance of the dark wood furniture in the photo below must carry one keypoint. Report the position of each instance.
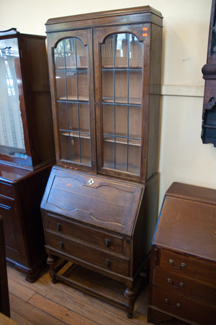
(100, 205)
(4, 297)
(208, 134)
(183, 257)
(27, 150)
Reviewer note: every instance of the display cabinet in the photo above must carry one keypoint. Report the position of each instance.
(27, 150)
(100, 205)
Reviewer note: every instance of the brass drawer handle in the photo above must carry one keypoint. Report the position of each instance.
(58, 226)
(108, 263)
(176, 306)
(176, 267)
(107, 241)
(181, 284)
(61, 245)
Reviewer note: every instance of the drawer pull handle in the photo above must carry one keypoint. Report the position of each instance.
(58, 226)
(107, 241)
(181, 284)
(176, 267)
(176, 306)
(108, 263)
(61, 245)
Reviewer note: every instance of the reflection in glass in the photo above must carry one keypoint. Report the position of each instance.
(122, 75)
(72, 86)
(11, 127)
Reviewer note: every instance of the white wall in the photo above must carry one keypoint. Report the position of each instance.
(183, 157)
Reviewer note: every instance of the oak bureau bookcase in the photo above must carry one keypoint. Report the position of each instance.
(27, 150)
(100, 204)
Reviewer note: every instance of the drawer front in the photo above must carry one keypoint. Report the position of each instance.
(184, 307)
(6, 189)
(188, 266)
(90, 235)
(93, 255)
(185, 286)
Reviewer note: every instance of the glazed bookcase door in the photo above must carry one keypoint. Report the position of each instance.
(119, 98)
(14, 145)
(73, 99)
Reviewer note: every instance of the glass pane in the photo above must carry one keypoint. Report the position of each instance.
(75, 149)
(72, 85)
(121, 87)
(134, 156)
(107, 53)
(135, 87)
(108, 119)
(60, 85)
(122, 73)
(65, 145)
(108, 151)
(121, 120)
(84, 117)
(82, 58)
(107, 86)
(121, 51)
(62, 116)
(136, 53)
(121, 154)
(135, 118)
(11, 127)
(85, 149)
(83, 87)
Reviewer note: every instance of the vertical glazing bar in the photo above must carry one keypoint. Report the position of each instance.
(66, 91)
(128, 65)
(114, 106)
(80, 156)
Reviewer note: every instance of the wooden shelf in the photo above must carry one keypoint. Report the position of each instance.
(76, 135)
(74, 98)
(122, 100)
(121, 67)
(132, 142)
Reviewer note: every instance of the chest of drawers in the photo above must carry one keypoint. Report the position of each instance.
(102, 228)
(183, 257)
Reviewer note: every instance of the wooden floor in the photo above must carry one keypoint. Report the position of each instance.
(45, 303)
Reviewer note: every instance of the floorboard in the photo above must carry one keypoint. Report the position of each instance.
(45, 303)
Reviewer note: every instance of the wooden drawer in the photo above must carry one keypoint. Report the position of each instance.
(185, 286)
(184, 307)
(6, 189)
(111, 262)
(188, 266)
(99, 238)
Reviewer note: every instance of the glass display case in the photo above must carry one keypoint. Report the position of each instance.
(26, 146)
(105, 74)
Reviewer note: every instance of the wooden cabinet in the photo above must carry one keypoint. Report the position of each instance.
(208, 134)
(183, 263)
(100, 205)
(26, 146)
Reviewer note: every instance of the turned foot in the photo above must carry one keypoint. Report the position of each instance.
(129, 294)
(50, 261)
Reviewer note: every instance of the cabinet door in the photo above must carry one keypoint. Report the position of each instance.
(119, 70)
(14, 241)
(73, 104)
(14, 144)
